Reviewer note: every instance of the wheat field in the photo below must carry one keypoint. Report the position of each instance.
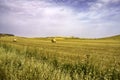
(68, 59)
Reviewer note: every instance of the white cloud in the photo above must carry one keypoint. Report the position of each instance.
(40, 18)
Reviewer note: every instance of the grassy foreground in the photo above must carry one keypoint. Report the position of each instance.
(68, 59)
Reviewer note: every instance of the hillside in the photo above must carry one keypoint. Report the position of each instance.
(68, 59)
(116, 37)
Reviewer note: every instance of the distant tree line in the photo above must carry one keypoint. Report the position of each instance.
(2, 35)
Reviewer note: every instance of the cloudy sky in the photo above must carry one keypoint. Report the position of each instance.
(80, 18)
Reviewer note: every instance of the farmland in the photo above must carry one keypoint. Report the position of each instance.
(68, 59)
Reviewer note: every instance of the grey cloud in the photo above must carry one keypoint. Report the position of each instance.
(40, 18)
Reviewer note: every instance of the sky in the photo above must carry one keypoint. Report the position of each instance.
(43, 18)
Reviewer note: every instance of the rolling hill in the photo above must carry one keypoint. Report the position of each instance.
(68, 59)
(116, 37)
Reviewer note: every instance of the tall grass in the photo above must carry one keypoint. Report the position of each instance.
(24, 62)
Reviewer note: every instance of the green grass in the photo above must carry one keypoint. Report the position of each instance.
(68, 59)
